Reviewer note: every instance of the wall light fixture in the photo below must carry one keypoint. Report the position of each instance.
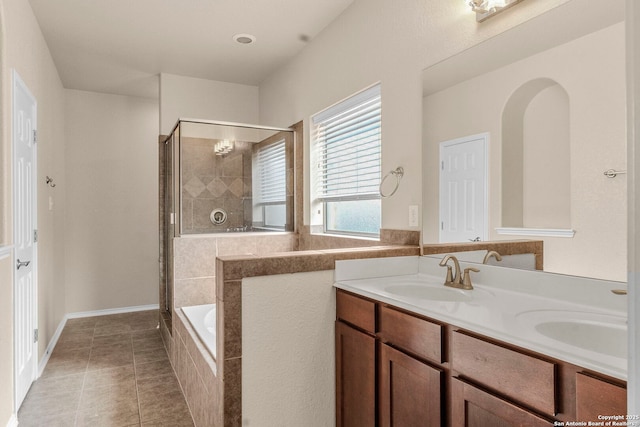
(485, 9)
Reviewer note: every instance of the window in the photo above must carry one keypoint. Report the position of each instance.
(346, 145)
(270, 186)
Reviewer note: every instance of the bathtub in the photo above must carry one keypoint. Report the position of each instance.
(203, 321)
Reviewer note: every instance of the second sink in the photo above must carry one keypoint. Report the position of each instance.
(596, 332)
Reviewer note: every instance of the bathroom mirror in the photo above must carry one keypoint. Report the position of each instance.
(549, 96)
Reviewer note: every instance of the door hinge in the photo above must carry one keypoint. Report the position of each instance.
(35, 335)
(442, 165)
(35, 136)
(35, 236)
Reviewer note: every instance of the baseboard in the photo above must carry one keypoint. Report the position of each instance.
(56, 335)
(51, 346)
(112, 311)
(13, 421)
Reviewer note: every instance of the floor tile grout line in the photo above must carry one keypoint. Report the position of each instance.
(135, 378)
(84, 378)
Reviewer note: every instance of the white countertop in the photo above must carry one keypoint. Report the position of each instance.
(574, 319)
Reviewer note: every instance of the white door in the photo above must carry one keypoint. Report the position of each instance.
(24, 199)
(463, 189)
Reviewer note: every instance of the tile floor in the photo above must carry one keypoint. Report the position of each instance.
(107, 371)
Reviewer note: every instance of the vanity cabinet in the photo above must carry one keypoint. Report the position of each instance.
(395, 368)
(382, 377)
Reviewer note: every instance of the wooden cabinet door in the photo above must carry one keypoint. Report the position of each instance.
(597, 397)
(355, 377)
(472, 407)
(410, 392)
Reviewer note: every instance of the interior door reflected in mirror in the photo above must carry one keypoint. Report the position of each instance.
(550, 98)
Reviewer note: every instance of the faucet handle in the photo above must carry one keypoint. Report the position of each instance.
(466, 280)
(449, 278)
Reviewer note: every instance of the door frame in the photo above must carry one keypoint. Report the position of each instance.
(444, 144)
(16, 81)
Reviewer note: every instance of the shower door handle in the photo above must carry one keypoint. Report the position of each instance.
(22, 263)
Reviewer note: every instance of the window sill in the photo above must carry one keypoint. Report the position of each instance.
(537, 232)
(348, 236)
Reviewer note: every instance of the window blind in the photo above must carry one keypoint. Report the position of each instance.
(271, 174)
(347, 140)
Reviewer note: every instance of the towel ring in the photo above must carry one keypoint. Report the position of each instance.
(398, 173)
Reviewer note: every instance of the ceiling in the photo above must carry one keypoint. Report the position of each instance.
(120, 46)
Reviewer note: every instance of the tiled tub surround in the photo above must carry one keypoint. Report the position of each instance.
(195, 267)
(197, 373)
(508, 305)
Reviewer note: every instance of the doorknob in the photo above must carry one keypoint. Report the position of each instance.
(477, 239)
(22, 263)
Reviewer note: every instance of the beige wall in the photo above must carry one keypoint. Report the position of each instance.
(188, 97)
(591, 71)
(375, 40)
(112, 211)
(287, 359)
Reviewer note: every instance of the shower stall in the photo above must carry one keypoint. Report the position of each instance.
(219, 177)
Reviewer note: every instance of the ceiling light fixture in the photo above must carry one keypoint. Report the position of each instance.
(485, 9)
(244, 38)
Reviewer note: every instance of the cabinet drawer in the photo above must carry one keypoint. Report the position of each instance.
(597, 397)
(517, 376)
(355, 310)
(411, 333)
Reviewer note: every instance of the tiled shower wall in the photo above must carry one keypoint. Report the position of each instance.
(211, 182)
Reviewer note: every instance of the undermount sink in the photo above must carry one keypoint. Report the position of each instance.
(600, 333)
(426, 291)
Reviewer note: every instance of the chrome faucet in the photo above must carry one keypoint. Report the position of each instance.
(458, 280)
(490, 254)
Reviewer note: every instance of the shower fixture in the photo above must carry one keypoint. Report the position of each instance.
(223, 147)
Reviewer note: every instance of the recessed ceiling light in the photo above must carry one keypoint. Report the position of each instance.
(244, 38)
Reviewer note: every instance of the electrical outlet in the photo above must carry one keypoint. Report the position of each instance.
(413, 216)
